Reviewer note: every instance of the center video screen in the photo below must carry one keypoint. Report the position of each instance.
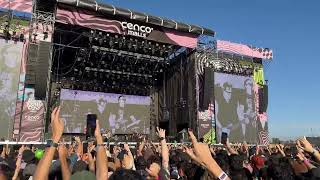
(235, 107)
(118, 113)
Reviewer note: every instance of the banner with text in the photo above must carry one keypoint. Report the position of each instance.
(67, 15)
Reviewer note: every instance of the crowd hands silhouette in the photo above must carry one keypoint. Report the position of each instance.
(158, 160)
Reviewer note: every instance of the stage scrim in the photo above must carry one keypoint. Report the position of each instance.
(122, 114)
(235, 108)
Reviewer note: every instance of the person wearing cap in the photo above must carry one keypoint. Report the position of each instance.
(226, 110)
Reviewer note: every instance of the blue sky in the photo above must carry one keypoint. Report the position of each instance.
(290, 27)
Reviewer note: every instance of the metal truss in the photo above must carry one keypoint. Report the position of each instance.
(206, 43)
(42, 17)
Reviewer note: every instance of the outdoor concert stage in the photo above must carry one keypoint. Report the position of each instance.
(136, 72)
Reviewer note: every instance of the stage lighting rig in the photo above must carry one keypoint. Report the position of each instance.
(131, 44)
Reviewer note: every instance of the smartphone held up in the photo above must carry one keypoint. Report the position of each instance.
(91, 124)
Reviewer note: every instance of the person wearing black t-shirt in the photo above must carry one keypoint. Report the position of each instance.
(226, 109)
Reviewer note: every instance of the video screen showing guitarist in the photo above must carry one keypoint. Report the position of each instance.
(121, 120)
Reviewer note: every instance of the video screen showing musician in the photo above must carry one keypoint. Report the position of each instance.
(246, 113)
(226, 110)
(123, 118)
(101, 110)
(121, 114)
(234, 105)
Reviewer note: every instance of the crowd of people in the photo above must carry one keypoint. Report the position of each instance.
(158, 161)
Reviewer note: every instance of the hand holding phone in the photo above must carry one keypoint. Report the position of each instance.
(224, 138)
(91, 124)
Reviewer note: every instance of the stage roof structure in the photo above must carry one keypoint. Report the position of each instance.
(110, 10)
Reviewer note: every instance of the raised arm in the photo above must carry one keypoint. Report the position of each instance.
(229, 148)
(305, 145)
(102, 168)
(91, 160)
(141, 146)
(80, 146)
(3, 153)
(42, 170)
(127, 148)
(306, 162)
(63, 153)
(18, 163)
(203, 155)
(280, 149)
(164, 148)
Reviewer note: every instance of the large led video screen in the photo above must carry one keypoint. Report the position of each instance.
(10, 64)
(234, 107)
(118, 113)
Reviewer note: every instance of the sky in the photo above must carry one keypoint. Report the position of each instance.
(290, 27)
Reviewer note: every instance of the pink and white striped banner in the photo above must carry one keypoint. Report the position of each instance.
(17, 5)
(245, 50)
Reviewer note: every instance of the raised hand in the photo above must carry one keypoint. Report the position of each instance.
(245, 147)
(57, 125)
(301, 156)
(21, 149)
(190, 153)
(213, 152)
(280, 149)
(63, 151)
(126, 147)
(201, 150)
(304, 144)
(77, 139)
(97, 133)
(116, 150)
(91, 147)
(161, 132)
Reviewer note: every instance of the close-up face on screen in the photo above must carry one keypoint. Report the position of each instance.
(121, 114)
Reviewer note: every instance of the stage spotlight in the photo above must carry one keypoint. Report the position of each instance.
(149, 45)
(153, 50)
(130, 44)
(100, 37)
(135, 45)
(116, 40)
(161, 52)
(111, 42)
(82, 52)
(107, 75)
(95, 74)
(91, 36)
(120, 44)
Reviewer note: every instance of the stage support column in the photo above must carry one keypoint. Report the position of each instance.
(154, 112)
